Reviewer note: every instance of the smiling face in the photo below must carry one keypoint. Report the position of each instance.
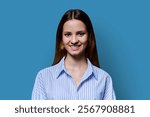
(75, 37)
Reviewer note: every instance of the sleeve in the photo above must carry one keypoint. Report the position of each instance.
(109, 93)
(38, 92)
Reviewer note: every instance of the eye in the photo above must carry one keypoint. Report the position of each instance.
(80, 34)
(67, 34)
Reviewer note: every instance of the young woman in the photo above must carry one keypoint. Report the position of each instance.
(75, 73)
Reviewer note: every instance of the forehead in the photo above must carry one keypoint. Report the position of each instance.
(74, 25)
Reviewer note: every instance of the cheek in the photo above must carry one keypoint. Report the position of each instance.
(85, 41)
(64, 42)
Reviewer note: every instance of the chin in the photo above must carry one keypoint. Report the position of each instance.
(75, 54)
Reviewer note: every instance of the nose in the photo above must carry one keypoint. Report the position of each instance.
(74, 40)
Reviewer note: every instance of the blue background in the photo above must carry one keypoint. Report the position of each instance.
(27, 43)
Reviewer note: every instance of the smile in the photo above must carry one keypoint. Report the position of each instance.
(75, 47)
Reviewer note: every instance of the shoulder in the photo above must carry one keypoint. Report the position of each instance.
(48, 71)
(100, 73)
(52, 71)
(45, 76)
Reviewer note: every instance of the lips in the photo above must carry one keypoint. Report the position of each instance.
(75, 47)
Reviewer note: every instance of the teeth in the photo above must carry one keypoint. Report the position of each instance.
(75, 45)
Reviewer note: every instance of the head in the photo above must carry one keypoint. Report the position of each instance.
(90, 50)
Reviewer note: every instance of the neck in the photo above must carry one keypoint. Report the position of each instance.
(75, 62)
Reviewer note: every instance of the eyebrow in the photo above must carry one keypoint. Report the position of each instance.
(80, 31)
(83, 31)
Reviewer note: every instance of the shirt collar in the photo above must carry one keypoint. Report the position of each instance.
(61, 69)
(90, 70)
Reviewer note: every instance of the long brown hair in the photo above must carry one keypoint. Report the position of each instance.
(91, 50)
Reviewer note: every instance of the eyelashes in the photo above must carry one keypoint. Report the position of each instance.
(68, 34)
(80, 34)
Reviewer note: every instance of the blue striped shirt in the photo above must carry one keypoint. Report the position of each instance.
(55, 83)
